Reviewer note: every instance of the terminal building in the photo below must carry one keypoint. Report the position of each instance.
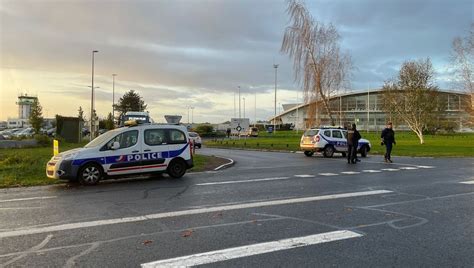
(365, 110)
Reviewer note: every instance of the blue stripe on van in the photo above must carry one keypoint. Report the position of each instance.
(131, 157)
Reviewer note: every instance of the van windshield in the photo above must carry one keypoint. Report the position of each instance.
(102, 138)
(311, 132)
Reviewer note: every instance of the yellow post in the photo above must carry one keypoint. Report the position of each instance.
(55, 147)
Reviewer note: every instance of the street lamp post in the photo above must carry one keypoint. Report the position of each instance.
(274, 118)
(113, 97)
(192, 115)
(92, 132)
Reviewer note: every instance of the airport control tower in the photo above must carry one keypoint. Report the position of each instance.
(24, 105)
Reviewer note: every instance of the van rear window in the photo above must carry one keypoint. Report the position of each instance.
(311, 132)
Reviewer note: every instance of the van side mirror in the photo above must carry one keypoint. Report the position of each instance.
(115, 145)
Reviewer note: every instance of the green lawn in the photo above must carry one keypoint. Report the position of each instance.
(26, 167)
(407, 143)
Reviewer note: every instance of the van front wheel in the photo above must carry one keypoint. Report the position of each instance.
(90, 174)
(176, 168)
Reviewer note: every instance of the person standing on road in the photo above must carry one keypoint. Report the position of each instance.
(353, 137)
(388, 139)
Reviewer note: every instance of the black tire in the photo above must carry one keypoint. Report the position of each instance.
(328, 151)
(363, 151)
(90, 174)
(308, 153)
(344, 154)
(177, 168)
(199, 146)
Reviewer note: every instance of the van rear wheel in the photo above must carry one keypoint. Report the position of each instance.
(177, 168)
(328, 151)
(308, 153)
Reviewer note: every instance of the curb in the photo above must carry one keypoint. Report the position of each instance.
(229, 164)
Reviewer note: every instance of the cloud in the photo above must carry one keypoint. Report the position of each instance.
(177, 53)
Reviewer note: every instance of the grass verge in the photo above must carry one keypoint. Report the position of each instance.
(26, 166)
(452, 145)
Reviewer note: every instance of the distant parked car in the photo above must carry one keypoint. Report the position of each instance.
(26, 132)
(196, 139)
(252, 132)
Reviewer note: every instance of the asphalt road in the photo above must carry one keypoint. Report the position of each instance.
(269, 209)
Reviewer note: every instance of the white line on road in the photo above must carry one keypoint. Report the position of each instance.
(350, 172)
(408, 168)
(467, 182)
(390, 169)
(242, 181)
(78, 225)
(371, 171)
(305, 176)
(328, 174)
(425, 166)
(28, 199)
(251, 250)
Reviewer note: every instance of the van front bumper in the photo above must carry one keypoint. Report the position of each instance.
(61, 170)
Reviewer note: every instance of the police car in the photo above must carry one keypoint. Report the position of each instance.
(329, 140)
(133, 149)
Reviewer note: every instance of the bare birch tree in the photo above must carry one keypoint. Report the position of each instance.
(318, 64)
(412, 97)
(463, 60)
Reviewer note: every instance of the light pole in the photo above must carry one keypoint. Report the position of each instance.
(244, 106)
(188, 113)
(239, 105)
(113, 97)
(255, 124)
(92, 132)
(274, 118)
(192, 115)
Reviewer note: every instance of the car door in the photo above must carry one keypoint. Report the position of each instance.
(155, 149)
(341, 142)
(127, 159)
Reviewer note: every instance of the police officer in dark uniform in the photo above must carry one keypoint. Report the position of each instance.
(388, 139)
(353, 137)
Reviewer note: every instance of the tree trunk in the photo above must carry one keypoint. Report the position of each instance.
(419, 133)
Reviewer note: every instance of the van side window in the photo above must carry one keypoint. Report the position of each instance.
(126, 139)
(336, 134)
(327, 133)
(155, 137)
(176, 137)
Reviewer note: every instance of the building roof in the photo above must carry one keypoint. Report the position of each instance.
(353, 93)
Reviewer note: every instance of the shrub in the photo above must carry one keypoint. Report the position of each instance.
(43, 140)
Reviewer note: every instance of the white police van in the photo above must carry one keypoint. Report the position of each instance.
(133, 149)
(329, 140)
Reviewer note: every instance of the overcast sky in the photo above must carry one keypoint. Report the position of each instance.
(196, 52)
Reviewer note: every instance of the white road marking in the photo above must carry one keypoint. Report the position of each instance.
(231, 162)
(33, 249)
(408, 168)
(425, 166)
(390, 169)
(251, 250)
(27, 199)
(242, 181)
(305, 176)
(328, 174)
(467, 182)
(350, 172)
(78, 225)
(371, 171)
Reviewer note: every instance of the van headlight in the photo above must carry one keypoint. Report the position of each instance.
(69, 156)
